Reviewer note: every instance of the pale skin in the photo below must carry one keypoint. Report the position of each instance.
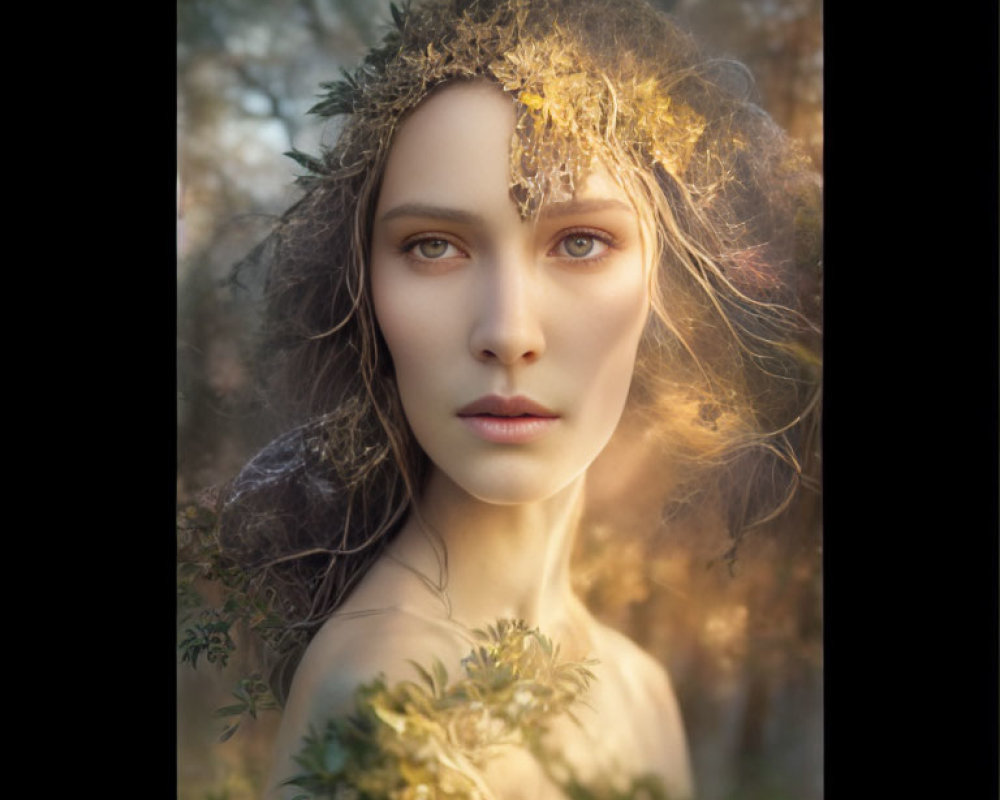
(475, 302)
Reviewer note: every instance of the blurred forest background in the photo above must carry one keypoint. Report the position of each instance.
(743, 646)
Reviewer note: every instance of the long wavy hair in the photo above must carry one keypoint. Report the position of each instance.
(728, 369)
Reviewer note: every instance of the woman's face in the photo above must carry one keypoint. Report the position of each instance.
(513, 341)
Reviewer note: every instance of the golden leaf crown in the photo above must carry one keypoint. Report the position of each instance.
(572, 106)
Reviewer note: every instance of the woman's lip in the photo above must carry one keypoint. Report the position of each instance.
(493, 406)
(509, 430)
(507, 420)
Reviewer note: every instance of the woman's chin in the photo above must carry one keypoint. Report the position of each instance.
(502, 484)
(514, 495)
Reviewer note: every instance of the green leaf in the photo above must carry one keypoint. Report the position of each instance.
(334, 756)
(229, 711)
(311, 163)
(399, 17)
(227, 734)
(440, 673)
(424, 675)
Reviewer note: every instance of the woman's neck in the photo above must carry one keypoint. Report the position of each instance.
(502, 560)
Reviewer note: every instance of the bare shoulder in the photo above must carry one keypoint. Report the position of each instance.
(642, 688)
(351, 650)
(360, 647)
(643, 676)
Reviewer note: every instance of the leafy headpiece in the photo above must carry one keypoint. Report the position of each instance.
(574, 101)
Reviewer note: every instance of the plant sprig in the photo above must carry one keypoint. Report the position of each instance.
(213, 631)
(432, 736)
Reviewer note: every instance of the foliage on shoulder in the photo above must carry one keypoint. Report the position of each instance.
(213, 631)
(430, 738)
(426, 738)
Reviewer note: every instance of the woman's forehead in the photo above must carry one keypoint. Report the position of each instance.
(451, 146)
(462, 139)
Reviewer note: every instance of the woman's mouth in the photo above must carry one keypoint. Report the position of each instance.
(507, 420)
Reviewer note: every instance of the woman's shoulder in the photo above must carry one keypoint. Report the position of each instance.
(637, 684)
(352, 650)
(641, 675)
(382, 641)
(389, 621)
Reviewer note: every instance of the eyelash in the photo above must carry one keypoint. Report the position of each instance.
(598, 237)
(410, 246)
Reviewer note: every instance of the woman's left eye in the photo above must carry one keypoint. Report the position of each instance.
(432, 249)
(581, 246)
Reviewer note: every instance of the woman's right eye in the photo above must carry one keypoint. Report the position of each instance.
(433, 249)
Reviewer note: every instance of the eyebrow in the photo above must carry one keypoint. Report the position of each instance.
(432, 212)
(428, 211)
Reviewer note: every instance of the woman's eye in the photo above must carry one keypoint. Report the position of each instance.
(434, 249)
(581, 245)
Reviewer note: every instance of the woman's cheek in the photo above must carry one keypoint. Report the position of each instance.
(604, 343)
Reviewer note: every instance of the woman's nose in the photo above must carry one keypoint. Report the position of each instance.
(507, 328)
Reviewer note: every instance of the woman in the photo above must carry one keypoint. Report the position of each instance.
(537, 215)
